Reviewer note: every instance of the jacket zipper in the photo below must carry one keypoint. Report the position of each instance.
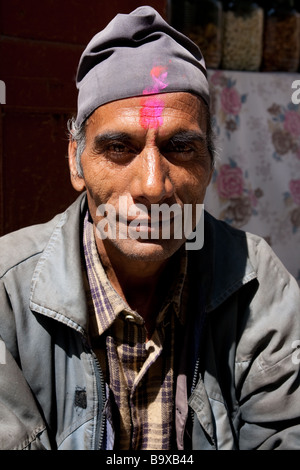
(194, 383)
(100, 428)
(100, 385)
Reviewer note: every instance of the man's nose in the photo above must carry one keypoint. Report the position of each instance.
(152, 183)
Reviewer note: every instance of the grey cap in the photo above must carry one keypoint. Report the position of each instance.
(138, 54)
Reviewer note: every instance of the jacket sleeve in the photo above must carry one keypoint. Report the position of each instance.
(21, 424)
(267, 368)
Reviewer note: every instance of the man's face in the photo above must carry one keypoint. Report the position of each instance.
(150, 151)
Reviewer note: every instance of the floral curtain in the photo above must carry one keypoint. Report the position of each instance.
(256, 183)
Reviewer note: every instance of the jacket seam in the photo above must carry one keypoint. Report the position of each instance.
(73, 427)
(261, 244)
(57, 316)
(20, 262)
(33, 437)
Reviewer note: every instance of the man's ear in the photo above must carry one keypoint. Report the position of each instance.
(76, 180)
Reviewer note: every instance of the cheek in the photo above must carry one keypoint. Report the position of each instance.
(103, 184)
(191, 184)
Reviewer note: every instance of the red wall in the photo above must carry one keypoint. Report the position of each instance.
(40, 46)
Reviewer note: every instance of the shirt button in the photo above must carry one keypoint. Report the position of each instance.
(130, 318)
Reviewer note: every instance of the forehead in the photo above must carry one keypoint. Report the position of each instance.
(163, 112)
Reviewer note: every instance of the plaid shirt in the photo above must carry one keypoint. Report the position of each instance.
(139, 373)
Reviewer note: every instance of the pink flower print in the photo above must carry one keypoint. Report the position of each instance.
(295, 191)
(230, 101)
(292, 122)
(230, 182)
(216, 78)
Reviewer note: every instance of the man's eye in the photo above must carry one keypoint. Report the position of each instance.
(181, 148)
(179, 151)
(116, 148)
(118, 152)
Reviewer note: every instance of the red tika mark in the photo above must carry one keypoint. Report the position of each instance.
(151, 113)
(152, 108)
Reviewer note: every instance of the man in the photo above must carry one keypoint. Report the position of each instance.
(119, 334)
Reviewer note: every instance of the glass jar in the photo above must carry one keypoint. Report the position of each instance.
(202, 22)
(242, 35)
(281, 50)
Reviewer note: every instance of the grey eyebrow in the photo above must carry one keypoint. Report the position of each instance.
(186, 137)
(107, 137)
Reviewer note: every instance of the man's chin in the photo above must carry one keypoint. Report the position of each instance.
(146, 250)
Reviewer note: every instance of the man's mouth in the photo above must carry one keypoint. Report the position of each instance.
(142, 223)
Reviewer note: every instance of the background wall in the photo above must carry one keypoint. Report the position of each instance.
(40, 46)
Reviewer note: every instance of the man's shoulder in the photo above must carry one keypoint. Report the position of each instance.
(24, 244)
(234, 246)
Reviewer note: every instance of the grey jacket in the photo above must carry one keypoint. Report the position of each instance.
(238, 381)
